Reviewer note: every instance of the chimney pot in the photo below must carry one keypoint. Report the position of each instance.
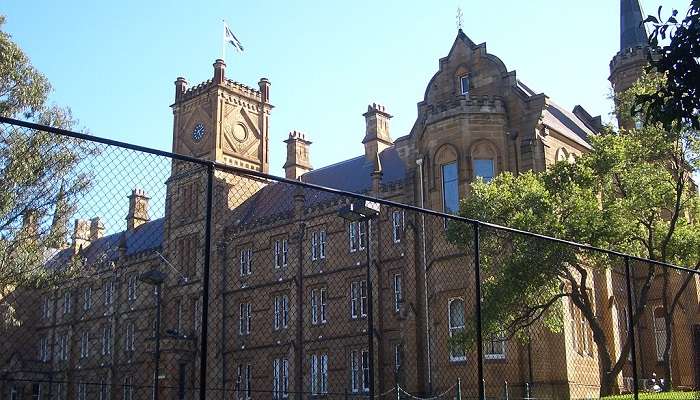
(138, 209)
(298, 161)
(264, 86)
(219, 68)
(180, 87)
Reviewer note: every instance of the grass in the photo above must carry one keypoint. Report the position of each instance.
(658, 396)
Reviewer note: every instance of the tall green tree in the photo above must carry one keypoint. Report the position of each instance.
(632, 192)
(40, 180)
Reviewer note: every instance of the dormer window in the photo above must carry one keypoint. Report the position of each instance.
(464, 84)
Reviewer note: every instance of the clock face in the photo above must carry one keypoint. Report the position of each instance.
(198, 132)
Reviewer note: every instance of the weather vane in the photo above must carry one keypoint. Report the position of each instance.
(460, 18)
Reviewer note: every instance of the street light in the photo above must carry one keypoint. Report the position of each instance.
(155, 278)
(362, 211)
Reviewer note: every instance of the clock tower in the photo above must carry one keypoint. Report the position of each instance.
(222, 120)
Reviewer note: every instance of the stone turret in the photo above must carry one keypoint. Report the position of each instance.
(628, 64)
(298, 160)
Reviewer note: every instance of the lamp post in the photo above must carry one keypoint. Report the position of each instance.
(362, 211)
(155, 278)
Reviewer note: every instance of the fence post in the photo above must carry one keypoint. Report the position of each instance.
(459, 388)
(630, 318)
(370, 309)
(477, 305)
(205, 280)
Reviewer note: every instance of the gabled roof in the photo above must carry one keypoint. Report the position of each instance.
(276, 200)
(566, 123)
(145, 237)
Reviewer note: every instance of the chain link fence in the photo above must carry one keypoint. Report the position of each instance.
(130, 273)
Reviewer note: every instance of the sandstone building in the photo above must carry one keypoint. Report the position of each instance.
(288, 293)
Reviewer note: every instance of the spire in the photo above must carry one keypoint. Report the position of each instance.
(632, 32)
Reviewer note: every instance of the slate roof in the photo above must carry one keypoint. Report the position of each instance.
(632, 32)
(146, 237)
(566, 123)
(276, 200)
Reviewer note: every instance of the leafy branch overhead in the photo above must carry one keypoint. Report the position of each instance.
(674, 52)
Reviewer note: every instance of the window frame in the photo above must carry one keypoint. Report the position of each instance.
(462, 79)
(659, 342)
(493, 169)
(397, 225)
(453, 328)
(398, 291)
(246, 261)
(490, 344)
(444, 184)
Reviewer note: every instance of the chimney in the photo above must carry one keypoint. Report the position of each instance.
(30, 223)
(97, 229)
(264, 85)
(298, 162)
(180, 87)
(81, 235)
(138, 209)
(219, 67)
(377, 132)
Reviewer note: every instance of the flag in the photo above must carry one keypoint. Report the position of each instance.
(231, 38)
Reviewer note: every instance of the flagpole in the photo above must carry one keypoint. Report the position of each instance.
(223, 42)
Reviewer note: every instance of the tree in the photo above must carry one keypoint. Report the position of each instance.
(40, 181)
(675, 52)
(632, 192)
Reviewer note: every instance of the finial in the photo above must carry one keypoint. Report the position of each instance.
(460, 18)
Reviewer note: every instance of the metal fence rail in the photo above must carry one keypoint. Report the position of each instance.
(167, 276)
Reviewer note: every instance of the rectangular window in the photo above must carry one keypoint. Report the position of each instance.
(45, 308)
(82, 391)
(495, 347)
(106, 339)
(109, 291)
(246, 262)
(103, 390)
(281, 253)
(44, 349)
(398, 292)
(450, 188)
(319, 374)
(131, 287)
(128, 389)
(280, 380)
(129, 337)
(243, 381)
(36, 391)
(318, 245)
(281, 312)
(85, 344)
(358, 299)
(62, 347)
(66, 302)
(87, 298)
(483, 169)
(398, 356)
(318, 306)
(244, 319)
(365, 371)
(397, 225)
(358, 235)
(354, 371)
(464, 84)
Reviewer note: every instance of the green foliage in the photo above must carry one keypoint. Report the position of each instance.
(39, 182)
(675, 51)
(632, 192)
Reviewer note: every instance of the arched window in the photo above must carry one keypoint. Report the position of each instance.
(562, 155)
(483, 161)
(455, 310)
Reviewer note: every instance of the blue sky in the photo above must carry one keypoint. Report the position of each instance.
(114, 63)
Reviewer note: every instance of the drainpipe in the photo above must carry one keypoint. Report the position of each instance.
(425, 278)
